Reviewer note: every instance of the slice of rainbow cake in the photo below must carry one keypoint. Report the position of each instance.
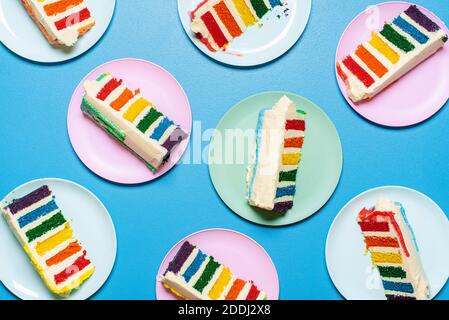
(47, 238)
(393, 249)
(401, 45)
(131, 119)
(217, 22)
(61, 21)
(271, 179)
(194, 275)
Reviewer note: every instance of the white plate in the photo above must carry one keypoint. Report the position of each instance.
(351, 270)
(92, 225)
(257, 45)
(20, 34)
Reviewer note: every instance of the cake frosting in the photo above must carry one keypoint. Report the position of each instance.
(217, 22)
(394, 252)
(61, 21)
(401, 45)
(271, 178)
(194, 275)
(46, 236)
(131, 119)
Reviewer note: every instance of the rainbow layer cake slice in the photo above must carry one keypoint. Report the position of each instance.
(271, 179)
(61, 21)
(217, 22)
(401, 45)
(131, 119)
(47, 238)
(393, 249)
(194, 275)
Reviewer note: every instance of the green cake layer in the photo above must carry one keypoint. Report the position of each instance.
(108, 126)
(396, 38)
(50, 224)
(207, 275)
(260, 7)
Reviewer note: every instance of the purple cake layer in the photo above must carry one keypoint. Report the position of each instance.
(181, 256)
(176, 137)
(283, 207)
(421, 19)
(31, 198)
(396, 297)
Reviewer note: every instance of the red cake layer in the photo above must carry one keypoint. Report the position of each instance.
(368, 226)
(295, 125)
(73, 19)
(253, 293)
(358, 71)
(214, 29)
(372, 218)
(108, 88)
(76, 267)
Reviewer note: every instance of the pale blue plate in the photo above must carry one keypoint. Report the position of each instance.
(230, 153)
(350, 268)
(258, 45)
(92, 226)
(20, 34)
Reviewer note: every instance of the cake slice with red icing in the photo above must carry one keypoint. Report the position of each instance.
(394, 252)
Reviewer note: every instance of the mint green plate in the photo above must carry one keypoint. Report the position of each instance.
(230, 153)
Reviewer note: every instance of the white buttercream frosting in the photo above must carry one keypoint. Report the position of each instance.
(263, 174)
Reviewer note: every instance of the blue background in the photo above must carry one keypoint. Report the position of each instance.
(152, 217)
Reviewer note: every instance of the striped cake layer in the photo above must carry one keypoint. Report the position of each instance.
(295, 127)
(408, 40)
(48, 239)
(217, 22)
(62, 21)
(131, 119)
(391, 243)
(271, 180)
(194, 275)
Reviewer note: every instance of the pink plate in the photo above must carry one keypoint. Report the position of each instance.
(244, 256)
(104, 155)
(415, 97)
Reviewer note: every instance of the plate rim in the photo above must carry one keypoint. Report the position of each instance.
(119, 60)
(257, 63)
(213, 230)
(108, 215)
(340, 158)
(69, 57)
(332, 226)
(346, 98)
